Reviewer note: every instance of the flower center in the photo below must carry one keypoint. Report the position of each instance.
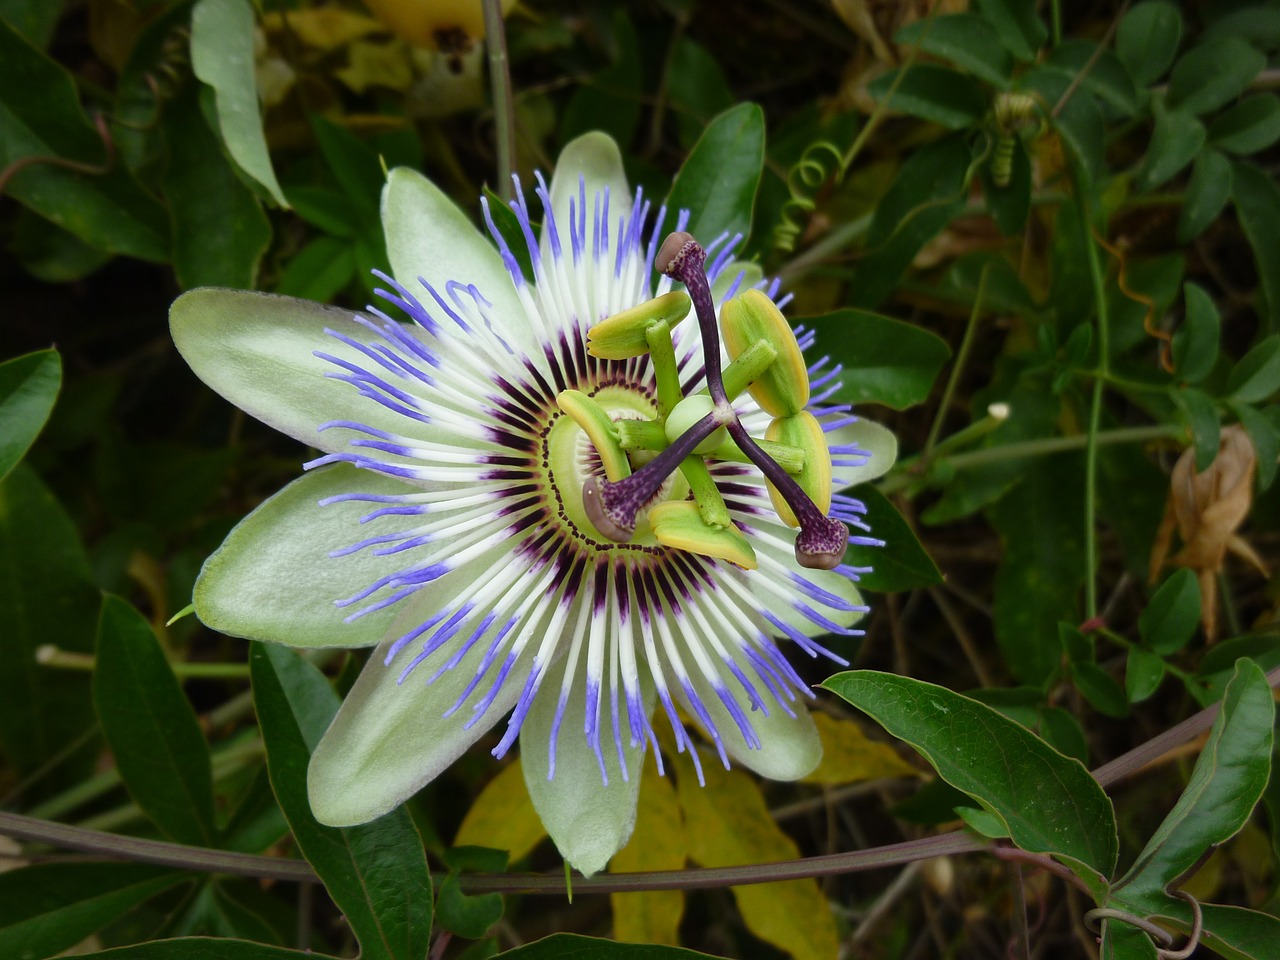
(686, 431)
(570, 458)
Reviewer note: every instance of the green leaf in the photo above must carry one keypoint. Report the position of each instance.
(202, 948)
(1225, 785)
(469, 916)
(48, 597)
(1081, 125)
(50, 907)
(1236, 933)
(1170, 619)
(1143, 674)
(1123, 941)
(719, 178)
(1208, 190)
(222, 57)
(1042, 568)
(219, 229)
(697, 89)
(1257, 375)
(354, 163)
(377, 872)
(927, 192)
(1202, 418)
(34, 19)
(326, 209)
(1265, 438)
(1257, 202)
(1213, 73)
(51, 254)
(932, 92)
(1195, 344)
(1049, 803)
(508, 224)
(610, 100)
(1175, 141)
(151, 729)
(1099, 688)
(1100, 70)
(1021, 31)
(885, 361)
(1148, 38)
(966, 39)
(319, 270)
(28, 388)
(902, 563)
(1251, 125)
(40, 116)
(572, 946)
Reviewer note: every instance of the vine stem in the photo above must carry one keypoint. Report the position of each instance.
(1095, 404)
(504, 113)
(180, 856)
(962, 355)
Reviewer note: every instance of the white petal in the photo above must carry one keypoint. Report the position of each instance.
(273, 578)
(588, 821)
(258, 351)
(390, 739)
(595, 158)
(429, 236)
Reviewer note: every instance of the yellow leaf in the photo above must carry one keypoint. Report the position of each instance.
(503, 816)
(849, 757)
(376, 65)
(727, 824)
(658, 843)
(324, 28)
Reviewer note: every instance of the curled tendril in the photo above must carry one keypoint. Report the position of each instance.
(1162, 939)
(819, 160)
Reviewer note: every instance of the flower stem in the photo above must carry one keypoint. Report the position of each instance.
(51, 656)
(962, 355)
(504, 113)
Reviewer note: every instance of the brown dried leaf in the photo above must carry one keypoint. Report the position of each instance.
(1207, 508)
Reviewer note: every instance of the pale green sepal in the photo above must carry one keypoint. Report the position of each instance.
(588, 821)
(258, 351)
(594, 157)
(626, 334)
(679, 524)
(390, 740)
(869, 436)
(430, 237)
(595, 423)
(783, 388)
(273, 578)
(790, 747)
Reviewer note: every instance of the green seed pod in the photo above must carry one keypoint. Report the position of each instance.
(804, 432)
(783, 388)
(622, 335)
(678, 524)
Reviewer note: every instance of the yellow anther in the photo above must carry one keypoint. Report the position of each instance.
(678, 524)
(623, 335)
(803, 431)
(600, 430)
(783, 388)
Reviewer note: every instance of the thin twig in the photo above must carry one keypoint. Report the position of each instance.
(504, 114)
